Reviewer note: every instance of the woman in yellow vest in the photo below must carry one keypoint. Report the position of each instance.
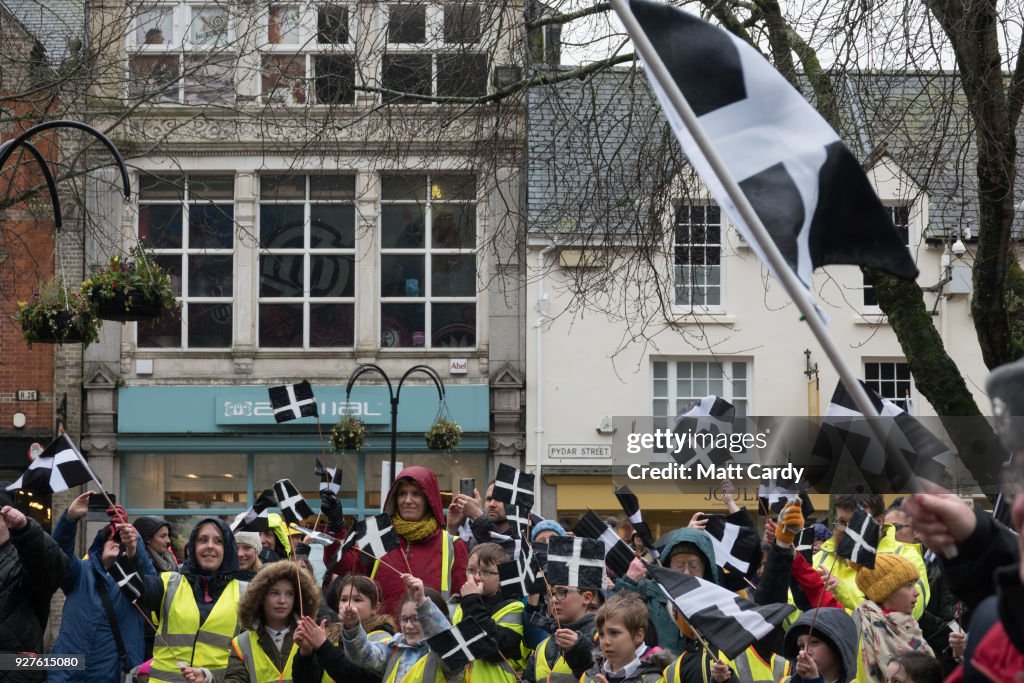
(405, 658)
(196, 608)
(269, 612)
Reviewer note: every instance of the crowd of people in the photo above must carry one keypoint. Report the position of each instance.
(943, 601)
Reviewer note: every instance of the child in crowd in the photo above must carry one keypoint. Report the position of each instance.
(886, 622)
(622, 623)
(828, 654)
(914, 667)
(501, 619)
(564, 656)
(362, 595)
(404, 658)
(269, 612)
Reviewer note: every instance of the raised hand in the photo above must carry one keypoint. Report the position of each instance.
(79, 506)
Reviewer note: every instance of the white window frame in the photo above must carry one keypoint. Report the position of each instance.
(677, 404)
(891, 207)
(875, 385)
(307, 252)
(435, 45)
(723, 226)
(180, 45)
(307, 47)
(185, 252)
(427, 252)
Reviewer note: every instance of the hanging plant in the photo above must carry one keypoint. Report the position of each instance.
(443, 435)
(56, 316)
(131, 289)
(348, 434)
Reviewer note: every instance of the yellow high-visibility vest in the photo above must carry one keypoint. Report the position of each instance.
(447, 565)
(425, 670)
(511, 617)
(261, 668)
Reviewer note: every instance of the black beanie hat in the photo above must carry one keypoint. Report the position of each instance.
(149, 525)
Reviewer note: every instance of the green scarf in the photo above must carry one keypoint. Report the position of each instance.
(414, 532)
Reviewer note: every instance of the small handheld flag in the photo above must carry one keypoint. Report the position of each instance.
(461, 644)
(575, 561)
(513, 486)
(860, 539)
(294, 507)
(58, 468)
(330, 477)
(292, 401)
(255, 518)
(617, 553)
(374, 535)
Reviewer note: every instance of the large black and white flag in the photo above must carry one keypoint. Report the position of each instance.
(631, 506)
(737, 548)
(513, 486)
(727, 621)
(127, 578)
(461, 644)
(330, 477)
(706, 428)
(807, 188)
(575, 561)
(59, 467)
(256, 517)
(294, 507)
(617, 553)
(292, 401)
(374, 535)
(520, 576)
(860, 539)
(845, 429)
(518, 518)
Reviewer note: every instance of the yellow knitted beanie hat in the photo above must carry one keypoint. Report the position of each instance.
(890, 572)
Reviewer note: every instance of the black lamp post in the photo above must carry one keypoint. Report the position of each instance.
(7, 149)
(394, 395)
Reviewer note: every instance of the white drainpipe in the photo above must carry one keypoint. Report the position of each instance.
(542, 308)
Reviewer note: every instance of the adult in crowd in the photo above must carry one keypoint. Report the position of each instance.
(98, 620)
(275, 543)
(31, 568)
(249, 546)
(433, 555)
(155, 533)
(986, 572)
(197, 607)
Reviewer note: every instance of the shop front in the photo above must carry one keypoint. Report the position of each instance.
(189, 451)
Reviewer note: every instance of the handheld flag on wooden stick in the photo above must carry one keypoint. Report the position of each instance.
(58, 468)
(513, 486)
(461, 644)
(374, 535)
(294, 507)
(292, 401)
(256, 517)
(860, 539)
(577, 562)
(617, 553)
(631, 506)
(330, 477)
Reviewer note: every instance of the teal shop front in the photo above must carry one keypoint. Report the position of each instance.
(187, 452)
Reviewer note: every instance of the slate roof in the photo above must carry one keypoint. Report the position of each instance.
(52, 22)
(587, 139)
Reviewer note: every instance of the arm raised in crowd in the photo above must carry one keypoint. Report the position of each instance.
(152, 593)
(40, 555)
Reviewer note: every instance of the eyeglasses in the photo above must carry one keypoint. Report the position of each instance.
(562, 593)
(695, 566)
(481, 572)
(409, 620)
(839, 524)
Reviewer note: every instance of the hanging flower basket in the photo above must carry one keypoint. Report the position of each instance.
(443, 435)
(133, 289)
(348, 434)
(57, 317)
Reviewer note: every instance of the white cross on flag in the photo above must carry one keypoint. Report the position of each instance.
(737, 548)
(617, 553)
(374, 535)
(513, 486)
(708, 427)
(576, 562)
(461, 644)
(313, 536)
(808, 189)
(256, 517)
(518, 518)
(127, 579)
(292, 401)
(59, 467)
(330, 477)
(294, 507)
(804, 543)
(518, 577)
(631, 506)
(860, 539)
(729, 622)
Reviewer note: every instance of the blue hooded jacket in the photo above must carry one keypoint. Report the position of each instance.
(669, 636)
(84, 627)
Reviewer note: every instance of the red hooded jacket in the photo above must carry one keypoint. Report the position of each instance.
(424, 557)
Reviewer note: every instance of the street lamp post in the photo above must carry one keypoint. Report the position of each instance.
(394, 394)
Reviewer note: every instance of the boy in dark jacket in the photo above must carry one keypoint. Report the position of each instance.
(829, 653)
(569, 651)
(622, 623)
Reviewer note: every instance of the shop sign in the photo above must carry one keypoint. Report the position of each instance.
(580, 450)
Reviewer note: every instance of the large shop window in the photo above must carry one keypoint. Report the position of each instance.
(189, 223)
(449, 468)
(900, 215)
(308, 54)
(697, 256)
(307, 261)
(434, 49)
(182, 53)
(678, 383)
(428, 278)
